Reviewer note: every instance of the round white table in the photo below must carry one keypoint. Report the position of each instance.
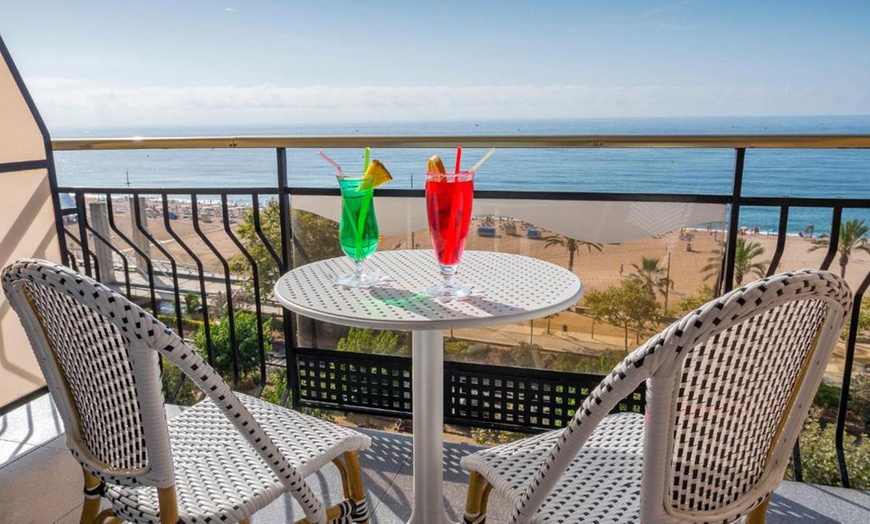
(507, 288)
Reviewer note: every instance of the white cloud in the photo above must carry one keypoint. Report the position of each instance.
(73, 103)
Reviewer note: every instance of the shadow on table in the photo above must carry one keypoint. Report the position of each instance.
(434, 309)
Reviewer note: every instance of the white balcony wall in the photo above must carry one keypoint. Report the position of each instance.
(27, 223)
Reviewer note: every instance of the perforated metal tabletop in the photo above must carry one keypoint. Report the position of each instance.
(507, 288)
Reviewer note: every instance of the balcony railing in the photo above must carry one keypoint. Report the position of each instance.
(156, 270)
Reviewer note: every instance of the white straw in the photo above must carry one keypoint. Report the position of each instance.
(482, 160)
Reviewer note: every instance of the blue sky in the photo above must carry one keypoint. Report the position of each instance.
(93, 63)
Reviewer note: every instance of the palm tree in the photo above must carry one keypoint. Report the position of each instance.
(650, 276)
(853, 235)
(744, 262)
(572, 245)
(549, 319)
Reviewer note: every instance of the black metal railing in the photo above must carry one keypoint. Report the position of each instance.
(475, 394)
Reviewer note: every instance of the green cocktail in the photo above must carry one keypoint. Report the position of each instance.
(358, 230)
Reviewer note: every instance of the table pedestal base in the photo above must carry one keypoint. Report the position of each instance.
(427, 361)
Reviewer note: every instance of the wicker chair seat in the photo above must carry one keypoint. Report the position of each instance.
(219, 476)
(600, 485)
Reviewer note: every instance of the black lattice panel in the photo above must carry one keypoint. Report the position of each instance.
(520, 398)
(476, 395)
(349, 380)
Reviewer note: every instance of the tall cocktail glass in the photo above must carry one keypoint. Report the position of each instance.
(449, 198)
(357, 231)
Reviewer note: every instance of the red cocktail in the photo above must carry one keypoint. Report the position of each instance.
(449, 198)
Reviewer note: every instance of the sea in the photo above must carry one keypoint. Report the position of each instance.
(767, 172)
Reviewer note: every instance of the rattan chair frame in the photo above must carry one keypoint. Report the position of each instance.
(145, 339)
(660, 362)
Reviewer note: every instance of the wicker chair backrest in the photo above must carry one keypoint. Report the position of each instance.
(732, 393)
(100, 386)
(99, 355)
(728, 388)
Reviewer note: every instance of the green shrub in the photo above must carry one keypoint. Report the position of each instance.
(859, 401)
(526, 355)
(702, 295)
(491, 437)
(191, 302)
(360, 340)
(188, 324)
(827, 397)
(276, 386)
(863, 323)
(601, 364)
(858, 408)
(247, 343)
(188, 394)
(819, 456)
(455, 346)
(477, 352)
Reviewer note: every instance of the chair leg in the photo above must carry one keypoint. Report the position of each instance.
(355, 504)
(93, 494)
(477, 499)
(107, 516)
(168, 502)
(357, 492)
(485, 499)
(345, 482)
(758, 515)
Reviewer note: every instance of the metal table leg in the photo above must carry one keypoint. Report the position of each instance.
(428, 406)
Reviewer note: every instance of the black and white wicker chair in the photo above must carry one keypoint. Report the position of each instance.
(219, 461)
(728, 389)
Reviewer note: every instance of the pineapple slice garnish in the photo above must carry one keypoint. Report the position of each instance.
(376, 175)
(435, 165)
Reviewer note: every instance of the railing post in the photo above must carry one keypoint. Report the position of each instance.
(65, 254)
(796, 462)
(847, 380)
(82, 217)
(291, 355)
(139, 222)
(781, 235)
(734, 222)
(834, 239)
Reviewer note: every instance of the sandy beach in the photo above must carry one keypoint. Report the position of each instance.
(685, 252)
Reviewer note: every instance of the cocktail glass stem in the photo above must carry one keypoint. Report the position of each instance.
(358, 270)
(449, 273)
(449, 289)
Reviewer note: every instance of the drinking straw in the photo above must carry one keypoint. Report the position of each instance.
(458, 158)
(482, 160)
(361, 220)
(333, 162)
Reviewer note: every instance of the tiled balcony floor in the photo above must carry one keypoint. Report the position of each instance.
(41, 483)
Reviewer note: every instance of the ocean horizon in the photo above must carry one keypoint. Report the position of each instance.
(767, 172)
